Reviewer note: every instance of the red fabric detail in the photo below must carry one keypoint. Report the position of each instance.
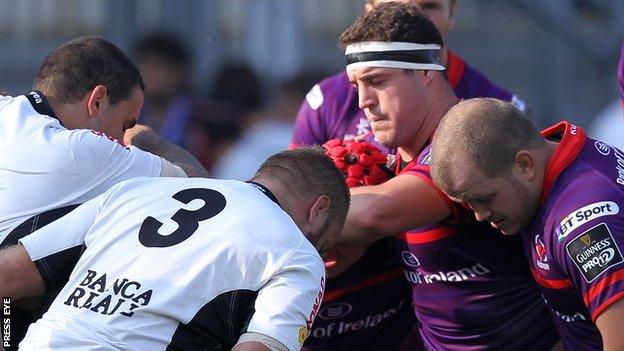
(378, 279)
(429, 235)
(601, 285)
(551, 283)
(606, 304)
(570, 145)
(454, 69)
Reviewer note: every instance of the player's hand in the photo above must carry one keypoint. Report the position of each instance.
(361, 162)
(134, 131)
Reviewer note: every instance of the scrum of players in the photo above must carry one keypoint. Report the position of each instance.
(484, 234)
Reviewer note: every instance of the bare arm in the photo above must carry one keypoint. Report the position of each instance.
(402, 203)
(19, 276)
(610, 323)
(146, 139)
(251, 346)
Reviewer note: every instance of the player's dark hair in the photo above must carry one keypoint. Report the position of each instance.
(392, 21)
(485, 131)
(309, 172)
(70, 71)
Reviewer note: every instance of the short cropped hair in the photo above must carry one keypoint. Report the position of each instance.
(392, 21)
(485, 131)
(309, 172)
(452, 4)
(70, 71)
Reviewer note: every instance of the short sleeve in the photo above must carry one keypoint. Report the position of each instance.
(56, 248)
(287, 305)
(102, 162)
(589, 242)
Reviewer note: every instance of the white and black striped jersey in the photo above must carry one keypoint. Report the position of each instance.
(175, 264)
(46, 169)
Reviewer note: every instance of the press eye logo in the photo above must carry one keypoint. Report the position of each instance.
(6, 322)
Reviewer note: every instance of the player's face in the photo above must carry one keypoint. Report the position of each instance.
(115, 119)
(438, 11)
(504, 201)
(327, 235)
(393, 101)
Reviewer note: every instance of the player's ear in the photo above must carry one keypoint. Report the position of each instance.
(524, 163)
(318, 213)
(97, 98)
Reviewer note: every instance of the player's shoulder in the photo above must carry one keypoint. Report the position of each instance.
(329, 90)
(583, 200)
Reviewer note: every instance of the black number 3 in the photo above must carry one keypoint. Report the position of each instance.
(188, 221)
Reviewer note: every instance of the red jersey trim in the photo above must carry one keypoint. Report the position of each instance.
(601, 285)
(429, 235)
(378, 279)
(572, 141)
(456, 216)
(454, 69)
(551, 283)
(606, 304)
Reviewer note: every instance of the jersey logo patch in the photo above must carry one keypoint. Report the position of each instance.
(315, 97)
(602, 147)
(335, 310)
(540, 251)
(584, 215)
(594, 251)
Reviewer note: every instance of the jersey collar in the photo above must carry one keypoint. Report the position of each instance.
(40, 103)
(265, 191)
(454, 69)
(571, 139)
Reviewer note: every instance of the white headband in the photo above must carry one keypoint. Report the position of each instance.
(393, 55)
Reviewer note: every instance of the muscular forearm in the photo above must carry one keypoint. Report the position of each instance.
(401, 204)
(149, 141)
(19, 276)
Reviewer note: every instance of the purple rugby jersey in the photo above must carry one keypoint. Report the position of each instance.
(331, 109)
(472, 287)
(576, 242)
(621, 73)
(367, 308)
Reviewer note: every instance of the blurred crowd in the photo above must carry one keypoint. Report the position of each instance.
(231, 128)
(236, 122)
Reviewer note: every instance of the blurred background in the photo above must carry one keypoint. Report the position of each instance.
(255, 58)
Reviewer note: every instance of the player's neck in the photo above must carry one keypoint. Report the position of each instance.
(69, 114)
(442, 99)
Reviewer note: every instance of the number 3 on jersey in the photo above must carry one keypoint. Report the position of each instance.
(188, 221)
